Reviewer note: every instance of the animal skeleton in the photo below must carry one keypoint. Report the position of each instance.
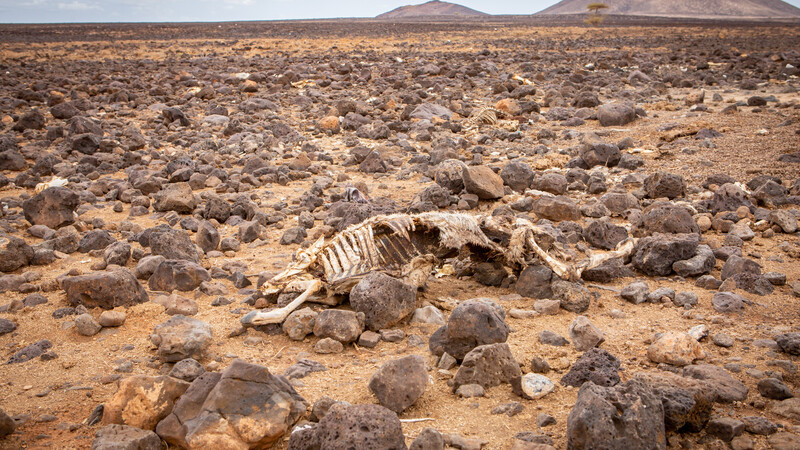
(488, 116)
(408, 246)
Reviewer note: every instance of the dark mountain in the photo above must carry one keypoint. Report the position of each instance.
(683, 8)
(430, 9)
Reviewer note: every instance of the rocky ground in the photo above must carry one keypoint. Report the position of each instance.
(150, 180)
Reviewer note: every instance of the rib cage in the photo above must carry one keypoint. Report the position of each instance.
(389, 242)
(485, 116)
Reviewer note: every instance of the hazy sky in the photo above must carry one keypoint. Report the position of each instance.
(38, 11)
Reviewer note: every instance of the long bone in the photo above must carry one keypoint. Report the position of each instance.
(278, 315)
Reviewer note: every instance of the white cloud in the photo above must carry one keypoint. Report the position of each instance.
(76, 5)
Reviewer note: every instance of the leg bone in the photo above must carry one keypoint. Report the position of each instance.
(623, 249)
(564, 271)
(260, 317)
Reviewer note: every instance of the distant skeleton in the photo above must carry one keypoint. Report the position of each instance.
(409, 246)
(488, 116)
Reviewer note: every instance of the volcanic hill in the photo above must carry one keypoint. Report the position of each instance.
(684, 8)
(430, 9)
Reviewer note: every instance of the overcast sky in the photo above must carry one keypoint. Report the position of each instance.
(39, 11)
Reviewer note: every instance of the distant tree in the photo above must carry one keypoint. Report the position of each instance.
(595, 18)
(596, 7)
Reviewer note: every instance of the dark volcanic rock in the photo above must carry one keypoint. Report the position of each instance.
(556, 208)
(14, 253)
(596, 365)
(400, 382)
(54, 207)
(472, 323)
(364, 427)
(663, 184)
(384, 300)
(124, 437)
(789, 343)
(7, 424)
(604, 234)
(601, 155)
(517, 175)
(687, 402)
(728, 197)
(654, 255)
(487, 365)
(534, 282)
(664, 217)
(106, 289)
(29, 352)
(627, 416)
(616, 114)
(170, 243)
(174, 274)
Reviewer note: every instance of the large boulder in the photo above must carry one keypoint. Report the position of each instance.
(472, 323)
(176, 197)
(181, 337)
(343, 326)
(363, 427)
(665, 217)
(53, 207)
(596, 365)
(14, 253)
(141, 401)
(174, 274)
(687, 402)
(723, 387)
(487, 365)
(244, 407)
(728, 197)
(628, 416)
(106, 289)
(664, 184)
(701, 263)
(600, 154)
(400, 382)
(604, 234)
(483, 182)
(449, 174)
(557, 208)
(517, 175)
(616, 114)
(654, 255)
(169, 243)
(383, 299)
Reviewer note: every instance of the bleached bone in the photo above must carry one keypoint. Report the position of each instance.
(404, 246)
(55, 182)
(261, 317)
